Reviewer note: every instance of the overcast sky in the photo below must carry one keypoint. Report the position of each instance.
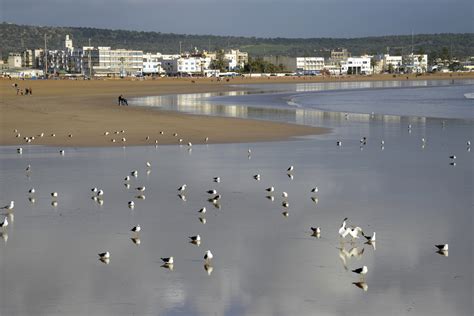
(260, 18)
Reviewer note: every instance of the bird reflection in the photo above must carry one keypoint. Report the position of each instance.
(168, 266)
(4, 236)
(270, 197)
(136, 240)
(372, 243)
(361, 285)
(315, 199)
(443, 253)
(104, 260)
(208, 268)
(290, 176)
(141, 196)
(286, 214)
(182, 197)
(203, 220)
(32, 200)
(54, 203)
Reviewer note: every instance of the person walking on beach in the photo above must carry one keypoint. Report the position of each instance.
(120, 100)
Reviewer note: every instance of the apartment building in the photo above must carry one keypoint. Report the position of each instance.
(356, 66)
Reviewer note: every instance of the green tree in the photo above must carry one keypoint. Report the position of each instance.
(219, 63)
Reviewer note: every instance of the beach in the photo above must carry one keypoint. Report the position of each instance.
(409, 178)
(87, 109)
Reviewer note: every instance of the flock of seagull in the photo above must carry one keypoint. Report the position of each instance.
(353, 232)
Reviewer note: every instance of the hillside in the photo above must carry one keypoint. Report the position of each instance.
(14, 38)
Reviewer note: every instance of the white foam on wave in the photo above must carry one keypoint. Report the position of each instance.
(469, 95)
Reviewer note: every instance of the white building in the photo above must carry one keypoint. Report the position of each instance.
(183, 65)
(395, 61)
(68, 43)
(297, 64)
(309, 64)
(14, 60)
(417, 63)
(152, 64)
(111, 62)
(356, 65)
(235, 59)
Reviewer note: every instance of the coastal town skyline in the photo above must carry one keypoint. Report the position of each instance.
(300, 19)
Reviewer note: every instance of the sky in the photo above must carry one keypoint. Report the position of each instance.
(259, 18)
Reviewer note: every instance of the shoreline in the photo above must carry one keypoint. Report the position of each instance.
(87, 109)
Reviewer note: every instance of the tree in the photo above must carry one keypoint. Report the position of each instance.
(390, 68)
(219, 63)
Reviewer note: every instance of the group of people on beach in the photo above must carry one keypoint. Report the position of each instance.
(122, 100)
(20, 91)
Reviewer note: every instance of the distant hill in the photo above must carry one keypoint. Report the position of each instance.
(14, 38)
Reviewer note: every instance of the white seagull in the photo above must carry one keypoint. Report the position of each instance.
(208, 256)
(54, 194)
(4, 223)
(104, 255)
(342, 229)
(270, 189)
(134, 173)
(32, 191)
(131, 204)
(203, 210)
(100, 193)
(316, 230)
(61, 152)
(136, 229)
(211, 192)
(169, 260)
(284, 195)
(444, 247)
(182, 188)
(314, 190)
(353, 231)
(10, 206)
(290, 168)
(361, 271)
(257, 177)
(195, 239)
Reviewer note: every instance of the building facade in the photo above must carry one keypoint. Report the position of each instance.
(356, 66)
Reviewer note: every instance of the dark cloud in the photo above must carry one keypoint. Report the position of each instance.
(297, 18)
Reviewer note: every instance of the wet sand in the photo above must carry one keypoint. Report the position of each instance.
(87, 109)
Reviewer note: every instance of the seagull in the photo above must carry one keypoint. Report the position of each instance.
(284, 195)
(257, 177)
(127, 178)
(4, 223)
(162, 133)
(95, 190)
(131, 204)
(270, 189)
(19, 150)
(314, 190)
(316, 230)
(141, 189)
(206, 139)
(290, 169)
(342, 229)
(182, 188)
(354, 232)
(211, 192)
(208, 256)
(442, 247)
(195, 240)
(104, 255)
(28, 168)
(148, 164)
(361, 271)
(190, 144)
(217, 179)
(134, 173)
(362, 285)
(10, 206)
(285, 204)
(370, 239)
(169, 260)
(175, 134)
(339, 143)
(452, 157)
(54, 194)
(61, 152)
(100, 192)
(106, 133)
(203, 210)
(136, 229)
